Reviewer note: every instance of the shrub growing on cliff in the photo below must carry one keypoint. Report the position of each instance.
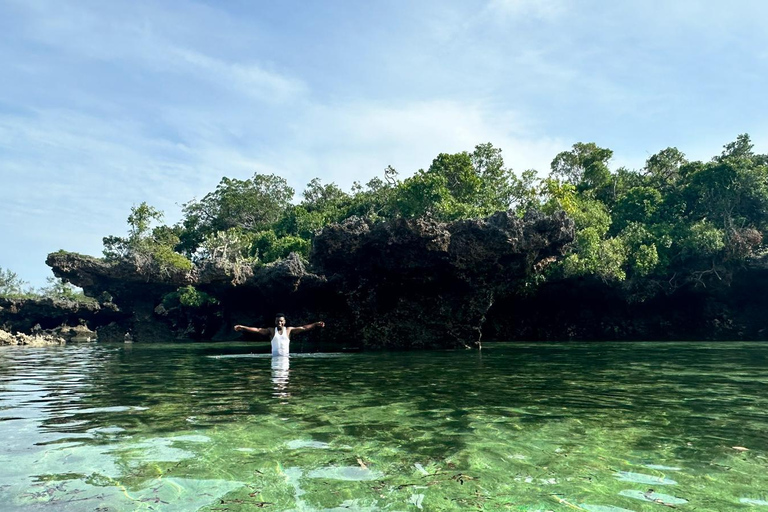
(268, 247)
(151, 249)
(191, 297)
(187, 304)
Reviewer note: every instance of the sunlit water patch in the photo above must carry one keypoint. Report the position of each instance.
(595, 427)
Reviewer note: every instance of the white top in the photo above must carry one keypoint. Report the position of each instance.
(280, 343)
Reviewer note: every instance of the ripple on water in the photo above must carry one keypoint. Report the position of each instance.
(314, 355)
(663, 468)
(306, 443)
(162, 449)
(652, 496)
(753, 501)
(603, 508)
(640, 478)
(354, 473)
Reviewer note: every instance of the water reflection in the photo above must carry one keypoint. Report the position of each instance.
(280, 371)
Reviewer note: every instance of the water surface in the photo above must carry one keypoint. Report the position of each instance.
(601, 427)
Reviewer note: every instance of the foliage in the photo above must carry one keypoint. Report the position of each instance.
(267, 246)
(58, 289)
(638, 204)
(668, 223)
(232, 245)
(462, 185)
(190, 297)
(11, 285)
(148, 247)
(703, 238)
(663, 169)
(672, 221)
(524, 191)
(585, 166)
(253, 205)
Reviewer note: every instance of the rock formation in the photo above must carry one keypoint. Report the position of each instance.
(402, 283)
(33, 340)
(420, 283)
(47, 314)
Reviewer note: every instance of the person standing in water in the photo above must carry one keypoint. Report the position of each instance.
(279, 334)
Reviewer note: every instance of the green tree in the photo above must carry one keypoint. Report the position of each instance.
(147, 246)
(427, 194)
(459, 176)
(460, 185)
(663, 168)
(499, 183)
(731, 192)
(639, 204)
(253, 205)
(139, 237)
(268, 247)
(593, 252)
(322, 205)
(740, 148)
(323, 197)
(58, 289)
(376, 200)
(524, 191)
(11, 285)
(585, 165)
(641, 249)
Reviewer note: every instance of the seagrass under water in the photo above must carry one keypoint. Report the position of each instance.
(597, 427)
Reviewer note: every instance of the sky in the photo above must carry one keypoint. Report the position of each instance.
(104, 105)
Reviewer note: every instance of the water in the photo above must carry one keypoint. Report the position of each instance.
(214, 427)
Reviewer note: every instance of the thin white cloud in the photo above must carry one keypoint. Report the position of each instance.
(505, 10)
(408, 137)
(133, 38)
(249, 79)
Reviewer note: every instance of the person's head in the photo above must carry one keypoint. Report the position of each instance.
(279, 320)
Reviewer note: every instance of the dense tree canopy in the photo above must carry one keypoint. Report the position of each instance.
(669, 223)
(672, 222)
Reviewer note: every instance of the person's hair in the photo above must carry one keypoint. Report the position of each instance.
(278, 315)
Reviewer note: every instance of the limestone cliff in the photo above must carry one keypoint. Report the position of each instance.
(402, 283)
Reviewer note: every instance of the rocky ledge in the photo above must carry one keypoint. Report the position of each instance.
(34, 340)
(28, 315)
(420, 283)
(398, 284)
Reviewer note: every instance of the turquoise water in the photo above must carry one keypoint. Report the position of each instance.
(599, 427)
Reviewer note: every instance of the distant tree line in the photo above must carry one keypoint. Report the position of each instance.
(14, 287)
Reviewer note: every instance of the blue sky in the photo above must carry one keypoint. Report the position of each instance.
(104, 105)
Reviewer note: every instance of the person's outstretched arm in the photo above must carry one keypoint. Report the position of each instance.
(255, 330)
(308, 327)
